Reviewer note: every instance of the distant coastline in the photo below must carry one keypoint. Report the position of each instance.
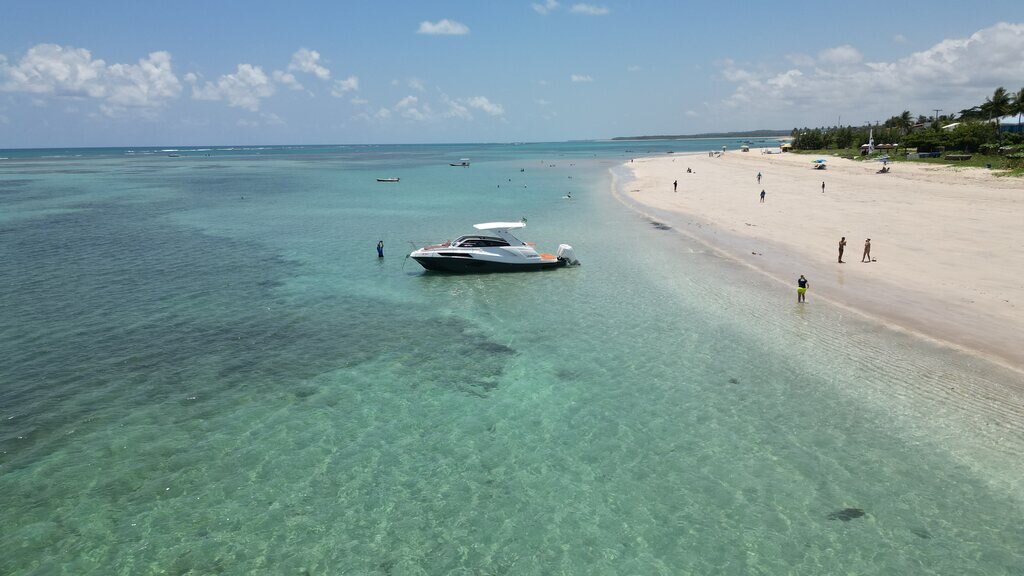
(747, 134)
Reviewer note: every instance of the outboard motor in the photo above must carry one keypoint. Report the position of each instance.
(566, 253)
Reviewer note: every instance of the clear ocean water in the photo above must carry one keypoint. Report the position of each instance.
(205, 369)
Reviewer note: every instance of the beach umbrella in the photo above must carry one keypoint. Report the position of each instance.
(820, 161)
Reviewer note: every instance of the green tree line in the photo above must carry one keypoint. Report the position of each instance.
(977, 129)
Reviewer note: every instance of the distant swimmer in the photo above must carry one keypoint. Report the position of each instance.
(801, 288)
(568, 196)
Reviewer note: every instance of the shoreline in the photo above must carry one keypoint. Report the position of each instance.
(910, 286)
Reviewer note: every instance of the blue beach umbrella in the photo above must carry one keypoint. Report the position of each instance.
(820, 161)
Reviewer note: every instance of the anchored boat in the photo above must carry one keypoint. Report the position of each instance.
(500, 251)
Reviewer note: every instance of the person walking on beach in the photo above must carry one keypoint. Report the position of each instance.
(801, 288)
(822, 187)
(867, 251)
(758, 177)
(762, 196)
(842, 246)
(675, 186)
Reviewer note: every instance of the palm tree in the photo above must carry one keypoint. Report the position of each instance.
(998, 105)
(905, 122)
(972, 113)
(1017, 106)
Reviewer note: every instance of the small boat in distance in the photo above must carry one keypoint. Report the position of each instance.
(461, 162)
(388, 179)
(500, 252)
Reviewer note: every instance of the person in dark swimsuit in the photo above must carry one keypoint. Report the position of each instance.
(842, 246)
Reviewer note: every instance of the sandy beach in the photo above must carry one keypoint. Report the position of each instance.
(947, 243)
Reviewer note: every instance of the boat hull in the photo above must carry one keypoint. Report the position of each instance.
(480, 266)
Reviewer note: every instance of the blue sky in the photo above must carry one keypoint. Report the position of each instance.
(192, 73)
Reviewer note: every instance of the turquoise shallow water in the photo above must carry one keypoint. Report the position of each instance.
(204, 368)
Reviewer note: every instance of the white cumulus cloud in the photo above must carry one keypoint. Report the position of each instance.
(589, 9)
(308, 61)
(955, 72)
(410, 107)
(243, 89)
(69, 71)
(341, 87)
(546, 7)
(457, 110)
(581, 78)
(148, 83)
(482, 103)
(841, 55)
(286, 79)
(444, 27)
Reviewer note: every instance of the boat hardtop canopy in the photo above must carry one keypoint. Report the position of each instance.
(503, 230)
(499, 225)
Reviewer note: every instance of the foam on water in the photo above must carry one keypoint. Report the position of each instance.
(204, 368)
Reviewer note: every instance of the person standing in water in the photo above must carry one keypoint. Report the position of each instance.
(867, 251)
(801, 288)
(842, 246)
(380, 249)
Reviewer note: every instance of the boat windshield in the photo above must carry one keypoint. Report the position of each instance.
(474, 241)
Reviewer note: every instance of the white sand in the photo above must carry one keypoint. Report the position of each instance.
(948, 242)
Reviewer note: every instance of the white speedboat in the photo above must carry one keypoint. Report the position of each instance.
(461, 162)
(498, 252)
